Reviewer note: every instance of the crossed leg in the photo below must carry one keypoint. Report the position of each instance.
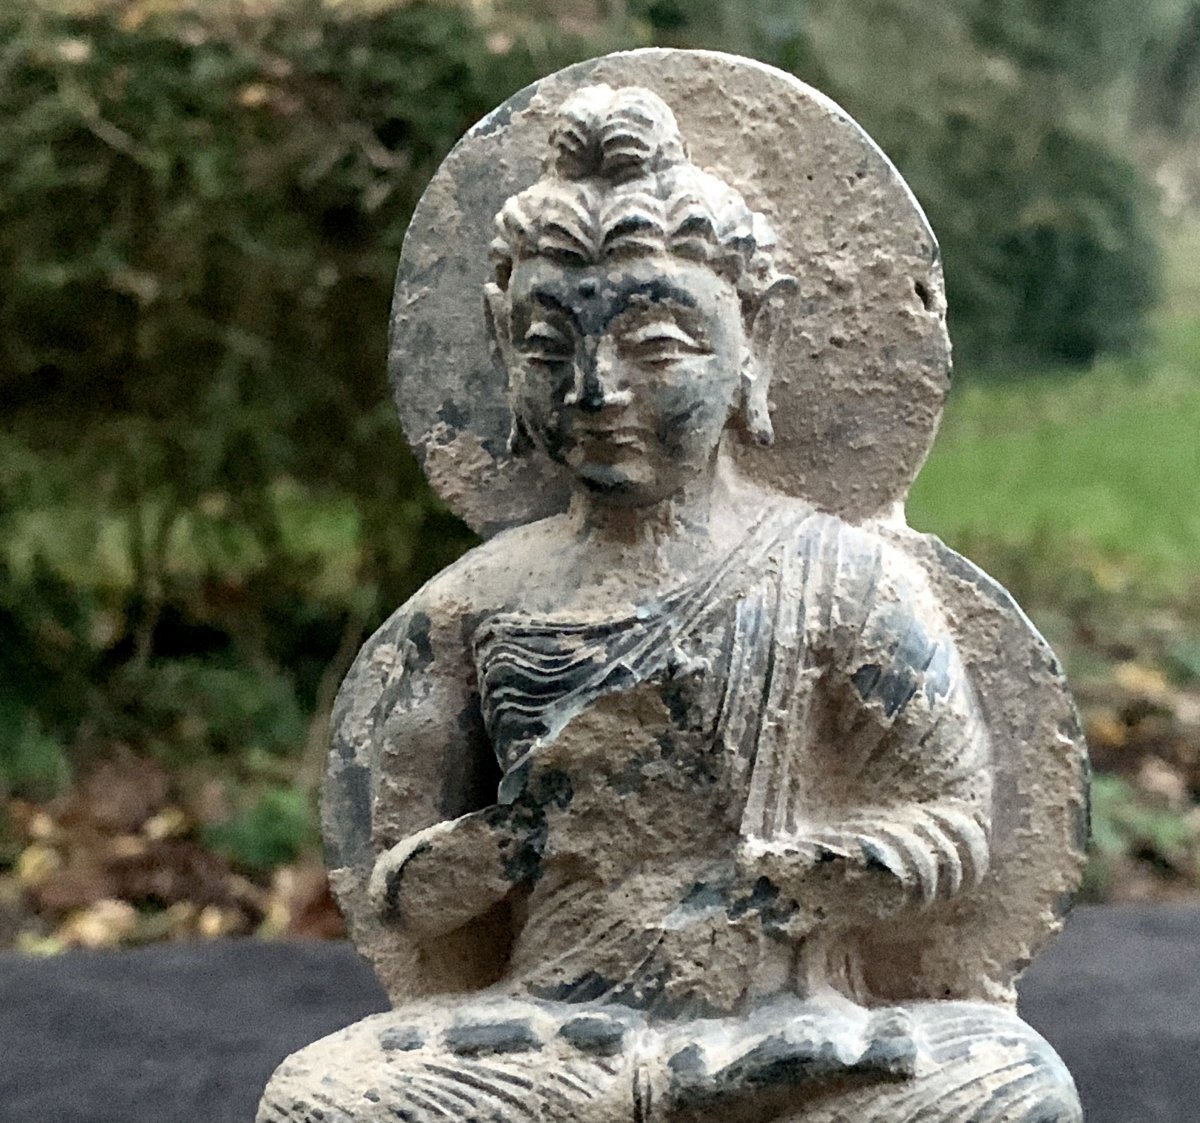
(505, 1060)
(495, 1060)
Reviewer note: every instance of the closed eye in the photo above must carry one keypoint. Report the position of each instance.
(661, 342)
(543, 342)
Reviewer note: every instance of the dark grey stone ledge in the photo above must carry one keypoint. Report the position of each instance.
(190, 1033)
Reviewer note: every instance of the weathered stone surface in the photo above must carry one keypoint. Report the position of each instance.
(721, 752)
(860, 367)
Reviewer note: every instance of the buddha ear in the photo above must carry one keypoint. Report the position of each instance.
(519, 441)
(756, 370)
(499, 325)
(755, 409)
(772, 307)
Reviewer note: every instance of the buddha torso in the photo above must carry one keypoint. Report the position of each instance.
(658, 730)
(644, 767)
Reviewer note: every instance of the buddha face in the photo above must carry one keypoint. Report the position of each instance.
(625, 372)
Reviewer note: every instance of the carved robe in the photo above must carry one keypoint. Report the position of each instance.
(780, 756)
(781, 750)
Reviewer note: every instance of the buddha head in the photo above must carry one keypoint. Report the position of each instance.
(632, 301)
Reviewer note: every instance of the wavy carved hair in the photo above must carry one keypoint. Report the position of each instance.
(618, 184)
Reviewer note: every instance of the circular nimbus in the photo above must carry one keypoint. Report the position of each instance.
(860, 366)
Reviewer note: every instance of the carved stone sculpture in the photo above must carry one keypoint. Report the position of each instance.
(704, 789)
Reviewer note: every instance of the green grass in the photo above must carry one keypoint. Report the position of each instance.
(1098, 470)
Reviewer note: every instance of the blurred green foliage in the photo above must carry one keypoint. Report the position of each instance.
(1002, 115)
(205, 501)
(1125, 826)
(273, 831)
(204, 498)
(1071, 486)
(34, 762)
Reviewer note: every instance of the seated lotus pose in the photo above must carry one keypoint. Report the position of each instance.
(675, 772)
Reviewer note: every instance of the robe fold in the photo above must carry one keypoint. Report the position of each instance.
(824, 734)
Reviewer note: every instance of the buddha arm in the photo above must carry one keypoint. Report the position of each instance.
(914, 815)
(434, 859)
(439, 878)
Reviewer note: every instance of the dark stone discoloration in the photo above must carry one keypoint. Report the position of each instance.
(348, 800)
(513, 783)
(473, 784)
(481, 1039)
(894, 1056)
(343, 748)
(876, 858)
(524, 866)
(401, 1039)
(418, 636)
(454, 416)
(520, 818)
(598, 1035)
(395, 877)
(469, 629)
(1083, 806)
(776, 1061)
(893, 684)
(937, 677)
(779, 1061)
(679, 696)
(584, 988)
(774, 911)
(707, 895)
(688, 1064)
(866, 678)
(551, 788)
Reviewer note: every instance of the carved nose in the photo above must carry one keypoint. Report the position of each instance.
(597, 381)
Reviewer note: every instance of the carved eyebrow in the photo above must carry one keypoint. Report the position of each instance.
(543, 296)
(545, 332)
(661, 330)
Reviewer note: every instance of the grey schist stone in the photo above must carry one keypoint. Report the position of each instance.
(704, 744)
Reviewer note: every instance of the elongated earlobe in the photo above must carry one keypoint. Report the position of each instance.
(755, 409)
(496, 312)
(756, 372)
(519, 441)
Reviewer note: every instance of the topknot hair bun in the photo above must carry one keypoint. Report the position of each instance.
(615, 135)
(618, 183)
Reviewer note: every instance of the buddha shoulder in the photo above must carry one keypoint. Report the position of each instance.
(432, 631)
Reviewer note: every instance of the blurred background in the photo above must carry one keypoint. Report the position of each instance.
(206, 504)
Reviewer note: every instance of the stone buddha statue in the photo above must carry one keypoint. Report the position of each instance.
(685, 801)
